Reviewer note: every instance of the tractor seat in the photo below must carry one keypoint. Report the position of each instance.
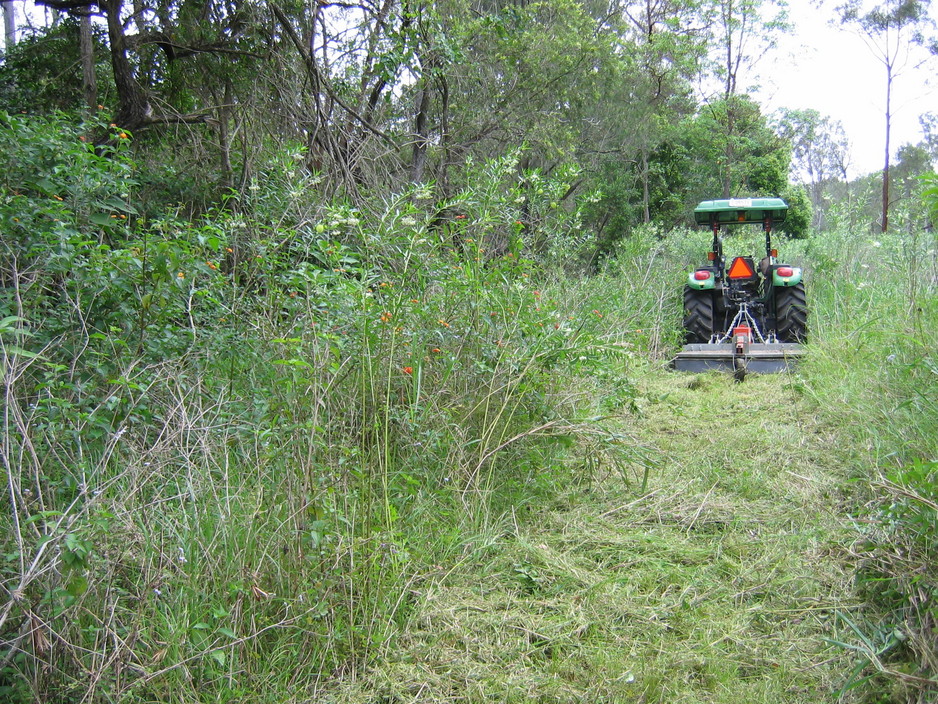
(765, 267)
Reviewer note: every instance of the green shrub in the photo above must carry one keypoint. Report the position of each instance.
(234, 444)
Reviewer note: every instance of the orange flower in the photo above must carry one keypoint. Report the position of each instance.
(597, 314)
(180, 275)
(435, 349)
(408, 370)
(211, 266)
(385, 317)
(443, 323)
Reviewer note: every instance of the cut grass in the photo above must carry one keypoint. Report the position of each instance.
(719, 584)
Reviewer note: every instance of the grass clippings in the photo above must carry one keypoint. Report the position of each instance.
(718, 584)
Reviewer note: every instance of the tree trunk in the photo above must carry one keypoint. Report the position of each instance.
(224, 137)
(420, 134)
(9, 25)
(646, 206)
(445, 138)
(133, 107)
(730, 151)
(885, 222)
(88, 76)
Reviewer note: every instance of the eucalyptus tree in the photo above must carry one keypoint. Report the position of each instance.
(9, 24)
(136, 69)
(891, 30)
(670, 45)
(929, 124)
(743, 30)
(820, 151)
(762, 158)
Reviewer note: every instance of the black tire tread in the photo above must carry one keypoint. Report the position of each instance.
(698, 315)
(791, 313)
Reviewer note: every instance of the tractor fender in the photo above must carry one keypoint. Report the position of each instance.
(787, 281)
(706, 285)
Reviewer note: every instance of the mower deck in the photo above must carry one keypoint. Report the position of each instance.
(765, 358)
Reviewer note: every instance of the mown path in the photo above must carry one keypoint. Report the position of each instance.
(719, 584)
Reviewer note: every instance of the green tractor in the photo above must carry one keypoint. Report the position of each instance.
(742, 315)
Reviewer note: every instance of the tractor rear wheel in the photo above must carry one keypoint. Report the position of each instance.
(791, 313)
(698, 315)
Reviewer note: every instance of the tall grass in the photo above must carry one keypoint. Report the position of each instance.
(234, 447)
(873, 370)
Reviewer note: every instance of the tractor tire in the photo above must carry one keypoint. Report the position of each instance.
(791, 314)
(698, 316)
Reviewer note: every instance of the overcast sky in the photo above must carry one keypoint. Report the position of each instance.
(832, 71)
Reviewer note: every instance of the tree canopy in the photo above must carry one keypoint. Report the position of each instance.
(363, 96)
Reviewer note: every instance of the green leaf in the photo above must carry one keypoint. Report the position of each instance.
(76, 586)
(14, 351)
(292, 362)
(102, 219)
(8, 324)
(42, 515)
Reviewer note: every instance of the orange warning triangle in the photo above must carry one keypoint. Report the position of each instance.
(741, 269)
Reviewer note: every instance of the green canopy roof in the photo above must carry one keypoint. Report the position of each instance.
(740, 211)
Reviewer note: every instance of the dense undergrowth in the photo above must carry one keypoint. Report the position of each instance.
(874, 373)
(236, 445)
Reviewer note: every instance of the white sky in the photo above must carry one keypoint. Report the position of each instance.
(832, 71)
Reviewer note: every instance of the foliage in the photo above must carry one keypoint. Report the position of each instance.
(798, 218)
(240, 447)
(873, 372)
(42, 72)
(235, 443)
(892, 30)
(930, 196)
(760, 160)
